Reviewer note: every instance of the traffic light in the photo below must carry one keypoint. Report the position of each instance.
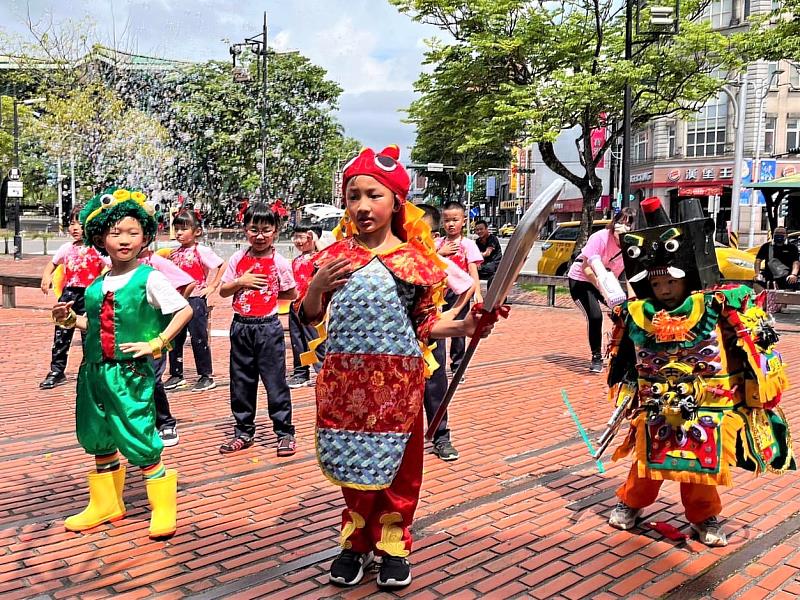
(66, 201)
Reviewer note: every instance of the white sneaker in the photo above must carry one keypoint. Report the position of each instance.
(623, 516)
(710, 533)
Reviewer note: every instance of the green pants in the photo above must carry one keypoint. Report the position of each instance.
(115, 411)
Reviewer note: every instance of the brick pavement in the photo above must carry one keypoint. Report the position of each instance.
(522, 513)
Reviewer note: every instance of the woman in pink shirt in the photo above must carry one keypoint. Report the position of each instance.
(583, 283)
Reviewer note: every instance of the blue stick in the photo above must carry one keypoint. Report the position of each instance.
(581, 430)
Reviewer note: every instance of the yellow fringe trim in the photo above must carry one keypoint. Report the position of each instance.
(391, 540)
(310, 357)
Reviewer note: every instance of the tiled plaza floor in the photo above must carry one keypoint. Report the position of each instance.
(522, 513)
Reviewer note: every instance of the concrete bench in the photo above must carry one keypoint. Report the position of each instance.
(787, 297)
(10, 284)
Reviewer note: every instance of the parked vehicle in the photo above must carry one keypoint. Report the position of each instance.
(507, 230)
(558, 248)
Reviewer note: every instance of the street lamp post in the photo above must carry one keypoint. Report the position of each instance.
(258, 45)
(740, 111)
(755, 209)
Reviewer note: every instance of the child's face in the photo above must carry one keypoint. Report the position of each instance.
(370, 204)
(124, 240)
(75, 230)
(453, 220)
(260, 236)
(669, 291)
(186, 235)
(303, 241)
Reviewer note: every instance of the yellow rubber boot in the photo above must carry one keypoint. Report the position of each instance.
(163, 493)
(105, 501)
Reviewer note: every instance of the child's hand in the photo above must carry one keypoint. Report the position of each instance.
(253, 281)
(330, 276)
(448, 248)
(45, 285)
(206, 292)
(470, 323)
(61, 310)
(137, 348)
(478, 296)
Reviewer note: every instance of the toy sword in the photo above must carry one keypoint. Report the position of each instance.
(507, 272)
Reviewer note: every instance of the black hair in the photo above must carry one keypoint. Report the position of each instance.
(259, 213)
(626, 216)
(186, 218)
(453, 205)
(301, 229)
(433, 214)
(481, 222)
(75, 214)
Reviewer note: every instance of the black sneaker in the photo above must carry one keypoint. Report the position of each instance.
(53, 380)
(597, 364)
(174, 383)
(169, 436)
(297, 381)
(348, 568)
(445, 450)
(204, 383)
(395, 573)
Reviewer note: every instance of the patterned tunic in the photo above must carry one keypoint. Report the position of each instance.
(371, 386)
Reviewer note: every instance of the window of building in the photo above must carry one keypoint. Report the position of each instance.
(640, 141)
(794, 76)
(792, 133)
(746, 8)
(720, 12)
(672, 139)
(773, 66)
(769, 134)
(705, 135)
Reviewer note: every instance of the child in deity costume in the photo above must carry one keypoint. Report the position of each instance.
(257, 277)
(202, 263)
(82, 264)
(300, 333)
(464, 253)
(380, 287)
(696, 366)
(132, 313)
(461, 287)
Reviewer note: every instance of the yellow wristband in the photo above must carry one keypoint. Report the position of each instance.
(67, 322)
(165, 343)
(156, 346)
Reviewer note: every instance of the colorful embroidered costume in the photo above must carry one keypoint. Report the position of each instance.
(703, 378)
(370, 389)
(114, 411)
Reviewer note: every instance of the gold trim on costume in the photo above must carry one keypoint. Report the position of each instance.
(391, 540)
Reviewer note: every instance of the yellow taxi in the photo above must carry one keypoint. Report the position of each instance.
(506, 230)
(557, 253)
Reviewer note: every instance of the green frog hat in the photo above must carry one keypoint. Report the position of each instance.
(111, 206)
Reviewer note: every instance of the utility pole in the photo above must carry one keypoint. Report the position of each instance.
(625, 186)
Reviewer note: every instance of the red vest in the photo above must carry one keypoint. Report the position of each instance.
(257, 303)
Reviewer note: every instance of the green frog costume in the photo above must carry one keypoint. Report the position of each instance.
(115, 412)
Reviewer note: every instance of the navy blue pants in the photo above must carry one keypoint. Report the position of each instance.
(458, 345)
(164, 417)
(258, 351)
(300, 334)
(198, 330)
(435, 389)
(62, 338)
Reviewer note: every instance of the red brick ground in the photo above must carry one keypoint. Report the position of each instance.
(522, 513)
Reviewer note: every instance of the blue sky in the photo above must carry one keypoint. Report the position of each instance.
(371, 50)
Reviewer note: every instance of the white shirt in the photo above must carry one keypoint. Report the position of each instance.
(160, 293)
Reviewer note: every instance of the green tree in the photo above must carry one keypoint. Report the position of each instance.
(514, 71)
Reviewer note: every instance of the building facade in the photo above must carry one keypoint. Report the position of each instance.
(676, 159)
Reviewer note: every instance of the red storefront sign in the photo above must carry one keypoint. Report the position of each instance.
(700, 191)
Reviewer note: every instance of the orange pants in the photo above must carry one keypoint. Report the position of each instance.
(379, 520)
(699, 501)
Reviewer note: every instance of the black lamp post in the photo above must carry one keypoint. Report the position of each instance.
(662, 21)
(258, 45)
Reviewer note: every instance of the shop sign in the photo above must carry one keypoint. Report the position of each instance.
(642, 177)
(715, 190)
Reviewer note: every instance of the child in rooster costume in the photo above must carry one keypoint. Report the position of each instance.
(381, 286)
(697, 364)
(132, 313)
